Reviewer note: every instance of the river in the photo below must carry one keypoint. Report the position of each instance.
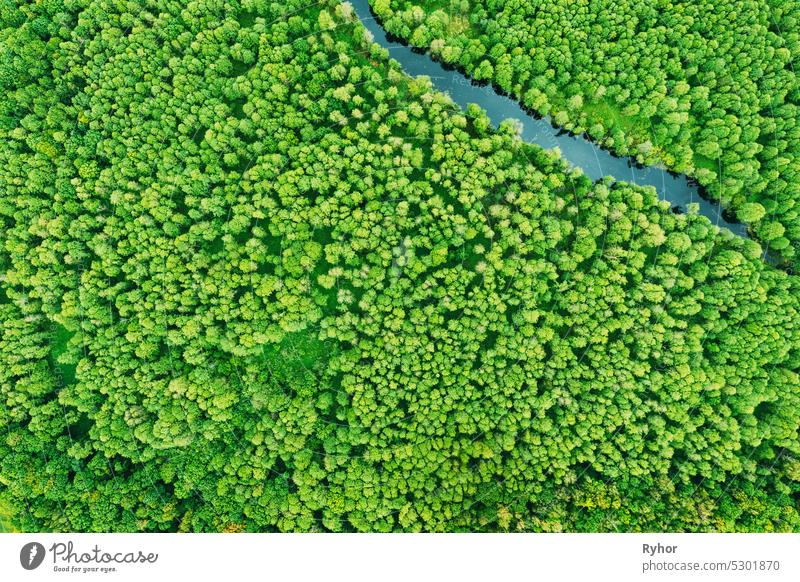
(593, 160)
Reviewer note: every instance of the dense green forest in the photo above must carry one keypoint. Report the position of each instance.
(708, 88)
(253, 278)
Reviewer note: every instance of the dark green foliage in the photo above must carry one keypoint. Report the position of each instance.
(254, 278)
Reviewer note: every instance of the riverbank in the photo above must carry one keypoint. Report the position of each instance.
(578, 150)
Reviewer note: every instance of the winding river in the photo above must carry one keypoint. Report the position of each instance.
(594, 161)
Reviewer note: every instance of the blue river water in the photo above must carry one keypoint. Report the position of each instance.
(593, 160)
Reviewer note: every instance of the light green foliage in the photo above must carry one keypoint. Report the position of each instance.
(297, 291)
